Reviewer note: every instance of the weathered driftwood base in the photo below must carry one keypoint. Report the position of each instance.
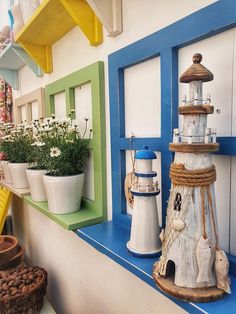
(194, 295)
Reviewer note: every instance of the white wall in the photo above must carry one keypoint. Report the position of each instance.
(81, 280)
(4, 18)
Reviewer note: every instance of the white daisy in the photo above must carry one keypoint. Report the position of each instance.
(6, 137)
(55, 152)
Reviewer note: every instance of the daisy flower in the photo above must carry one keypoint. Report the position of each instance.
(55, 152)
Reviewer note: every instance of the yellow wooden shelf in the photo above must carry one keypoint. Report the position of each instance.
(51, 21)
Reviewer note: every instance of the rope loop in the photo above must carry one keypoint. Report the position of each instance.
(201, 177)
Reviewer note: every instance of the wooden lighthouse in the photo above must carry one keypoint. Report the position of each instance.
(192, 265)
(144, 238)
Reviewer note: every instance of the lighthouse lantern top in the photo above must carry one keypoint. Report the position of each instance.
(197, 71)
(146, 153)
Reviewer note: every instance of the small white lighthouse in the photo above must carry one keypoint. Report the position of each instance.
(144, 239)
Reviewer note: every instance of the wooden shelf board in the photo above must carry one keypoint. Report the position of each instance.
(19, 192)
(110, 239)
(83, 217)
(13, 58)
(110, 14)
(51, 21)
(9, 59)
(85, 18)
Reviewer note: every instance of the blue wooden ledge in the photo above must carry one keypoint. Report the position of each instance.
(110, 239)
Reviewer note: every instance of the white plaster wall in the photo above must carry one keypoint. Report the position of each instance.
(4, 20)
(81, 279)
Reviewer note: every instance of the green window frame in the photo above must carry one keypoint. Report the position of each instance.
(92, 211)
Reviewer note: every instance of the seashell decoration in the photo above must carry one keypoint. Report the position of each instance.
(162, 235)
(178, 224)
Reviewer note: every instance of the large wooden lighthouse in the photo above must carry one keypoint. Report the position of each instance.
(192, 265)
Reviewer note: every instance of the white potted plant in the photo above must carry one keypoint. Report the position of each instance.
(18, 150)
(37, 163)
(66, 154)
(5, 146)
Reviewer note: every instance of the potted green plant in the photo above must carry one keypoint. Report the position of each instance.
(5, 146)
(16, 145)
(37, 165)
(65, 156)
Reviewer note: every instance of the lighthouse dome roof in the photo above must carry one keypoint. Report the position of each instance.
(196, 72)
(146, 153)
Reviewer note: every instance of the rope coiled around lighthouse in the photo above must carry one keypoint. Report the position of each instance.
(201, 177)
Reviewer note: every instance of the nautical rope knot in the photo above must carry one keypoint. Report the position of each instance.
(201, 177)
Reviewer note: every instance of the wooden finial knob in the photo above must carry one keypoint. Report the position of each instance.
(197, 58)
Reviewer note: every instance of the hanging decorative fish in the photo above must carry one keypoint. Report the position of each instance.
(205, 258)
(221, 265)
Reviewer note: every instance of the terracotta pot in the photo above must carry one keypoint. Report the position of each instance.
(18, 175)
(63, 193)
(8, 248)
(35, 179)
(15, 261)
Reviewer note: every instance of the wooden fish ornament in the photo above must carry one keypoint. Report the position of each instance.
(205, 258)
(221, 265)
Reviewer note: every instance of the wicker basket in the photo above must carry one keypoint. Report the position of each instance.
(29, 302)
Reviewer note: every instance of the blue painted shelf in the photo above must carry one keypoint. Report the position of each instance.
(110, 239)
(13, 58)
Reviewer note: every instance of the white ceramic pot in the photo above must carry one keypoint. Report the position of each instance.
(18, 175)
(63, 193)
(35, 179)
(6, 171)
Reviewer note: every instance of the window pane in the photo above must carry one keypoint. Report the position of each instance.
(60, 106)
(83, 106)
(143, 99)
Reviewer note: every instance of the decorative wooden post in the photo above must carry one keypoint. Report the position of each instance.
(144, 239)
(192, 266)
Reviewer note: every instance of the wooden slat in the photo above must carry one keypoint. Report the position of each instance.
(196, 109)
(194, 148)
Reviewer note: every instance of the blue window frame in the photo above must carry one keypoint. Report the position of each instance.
(209, 21)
